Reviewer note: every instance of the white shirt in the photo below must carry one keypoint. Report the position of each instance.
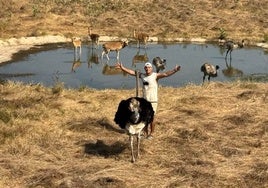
(150, 90)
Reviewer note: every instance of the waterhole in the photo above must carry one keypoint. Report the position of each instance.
(53, 63)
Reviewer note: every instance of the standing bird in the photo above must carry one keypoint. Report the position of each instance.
(133, 115)
(230, 45)
(93, 37)
(209, 70)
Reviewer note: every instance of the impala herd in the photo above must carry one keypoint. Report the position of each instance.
(142, 38)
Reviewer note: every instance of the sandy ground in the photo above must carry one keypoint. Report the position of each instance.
(13, 45)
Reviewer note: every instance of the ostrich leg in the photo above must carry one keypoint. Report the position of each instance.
(132, 150)
(138, 144)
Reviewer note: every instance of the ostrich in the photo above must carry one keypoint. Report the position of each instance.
(133, 115)
(159, 63)
(230, 45)
(209, 70)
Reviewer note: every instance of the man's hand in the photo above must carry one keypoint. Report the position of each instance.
(118, 65)
(177, 68)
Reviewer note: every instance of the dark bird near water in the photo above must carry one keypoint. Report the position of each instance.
(209, 70)
(160, 64)
(230, 45)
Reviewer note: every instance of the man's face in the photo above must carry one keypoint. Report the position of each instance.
(148, 69)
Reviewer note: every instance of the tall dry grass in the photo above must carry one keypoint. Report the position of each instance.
(210, 19)
(206, 136)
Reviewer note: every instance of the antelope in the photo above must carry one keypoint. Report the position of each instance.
(141, 38)
(230, 45)
(209, 70)
(77, 43)
(93, 37)
(113, 46)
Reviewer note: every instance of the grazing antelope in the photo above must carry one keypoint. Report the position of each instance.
(209, 70)
(140, 58)
(77, 43)
(113, 46)
(160, 64)
(230, 45)
(141, 38)
(93, 37)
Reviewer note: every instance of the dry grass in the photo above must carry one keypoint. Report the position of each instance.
(210, 136)
(238, 19)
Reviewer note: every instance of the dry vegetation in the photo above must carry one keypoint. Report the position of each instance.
(235, 19)
(207, 136)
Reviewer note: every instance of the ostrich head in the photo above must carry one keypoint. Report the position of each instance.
(159, 63)
(134, 107)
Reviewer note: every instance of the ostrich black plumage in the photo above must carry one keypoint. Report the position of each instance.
(209, 70)
(160, 64)
(230, 45)
(133, 115)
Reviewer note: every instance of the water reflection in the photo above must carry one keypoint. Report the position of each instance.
(231, 71)
(112, 70)
(140, 58)
(93, 57)
(76, 64)
(38, 65)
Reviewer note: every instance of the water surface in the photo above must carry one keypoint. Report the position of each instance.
(57, 63)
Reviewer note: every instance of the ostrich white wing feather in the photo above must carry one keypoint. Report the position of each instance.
(135, 129)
